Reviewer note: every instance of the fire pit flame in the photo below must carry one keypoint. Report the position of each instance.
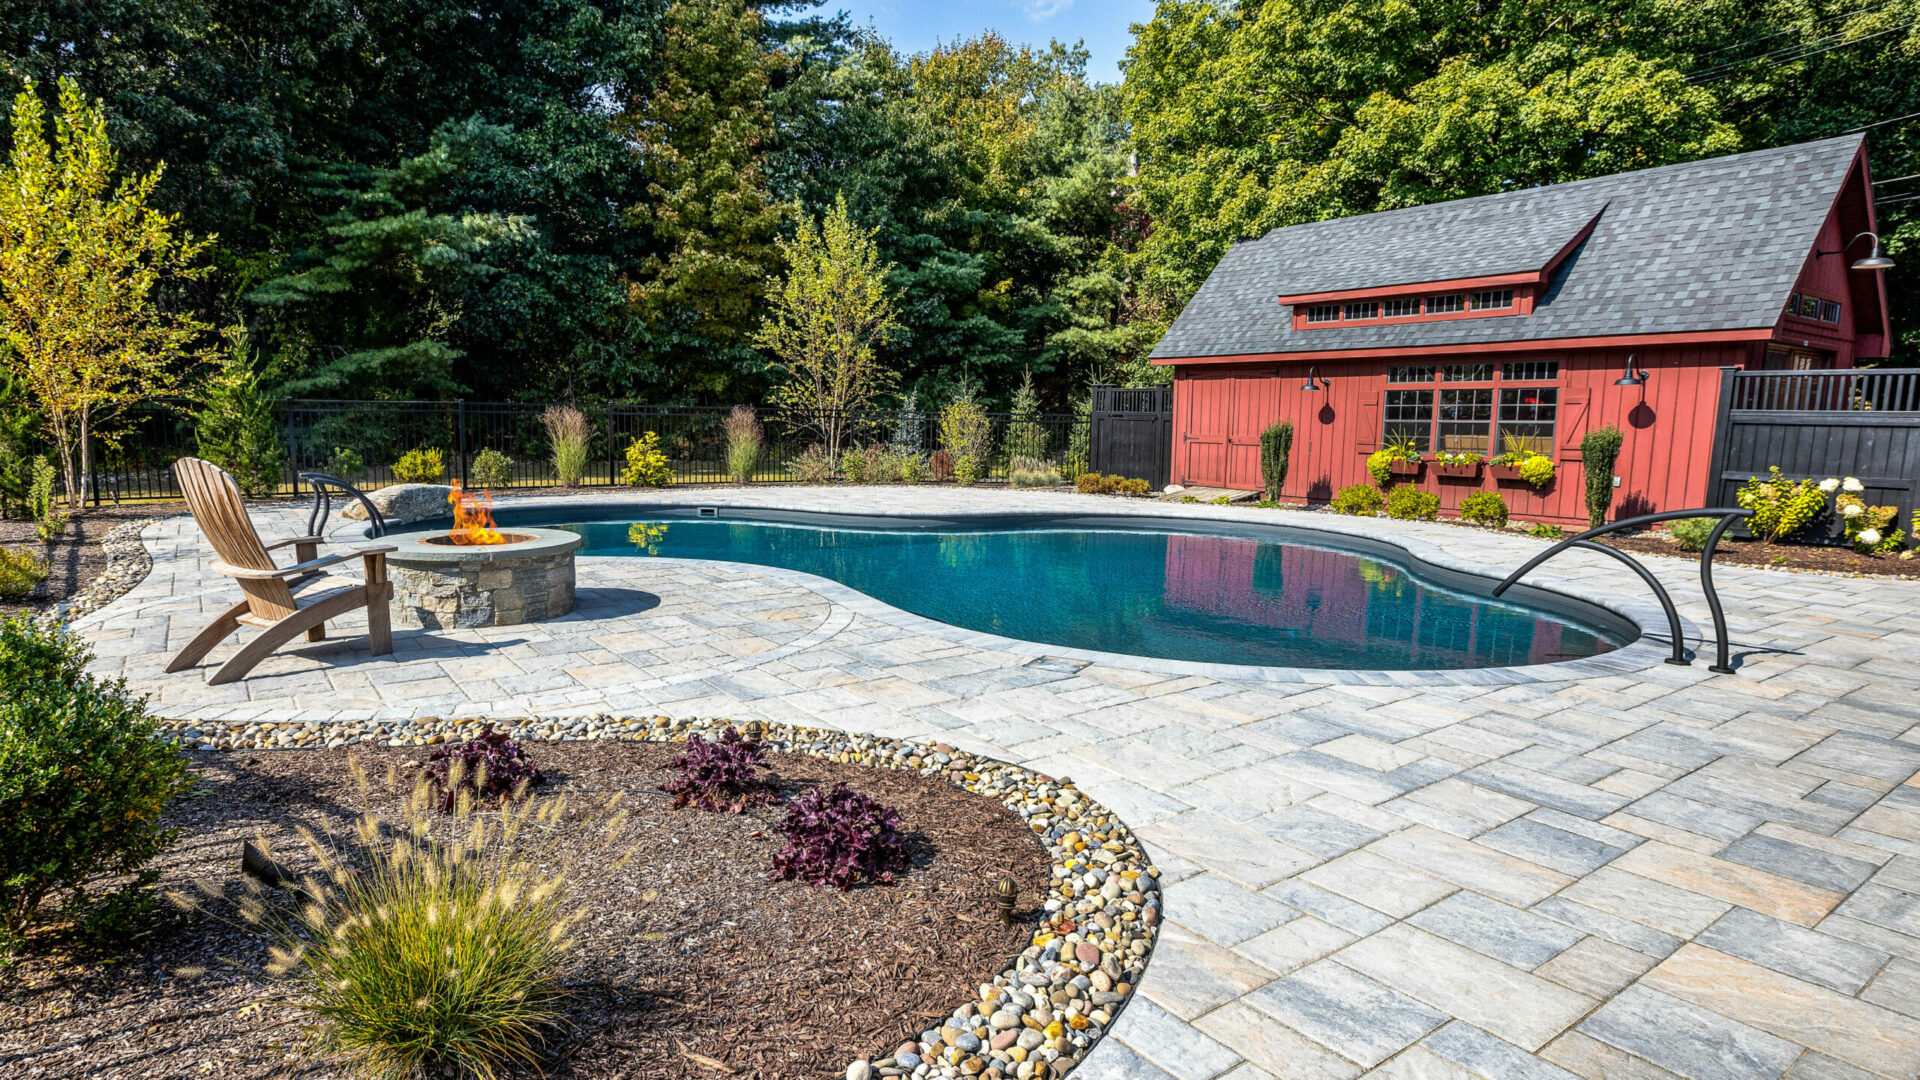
(472, 518)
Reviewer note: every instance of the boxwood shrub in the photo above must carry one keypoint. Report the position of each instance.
(1409, 503)
(84, 779)
(1484, 508)
(1360, 499)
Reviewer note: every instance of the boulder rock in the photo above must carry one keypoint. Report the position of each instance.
(402, 503)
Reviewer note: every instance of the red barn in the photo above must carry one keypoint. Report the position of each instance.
(1473, 325)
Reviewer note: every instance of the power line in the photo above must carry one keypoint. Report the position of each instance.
(1890, 202)
(1881, 123)
(1897, 179)
(1780, 58)
(1795, 29)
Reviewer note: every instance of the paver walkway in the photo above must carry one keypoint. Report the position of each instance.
(1635, 871)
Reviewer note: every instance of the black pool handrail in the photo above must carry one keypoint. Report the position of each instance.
(1727, 515)
(323, 504)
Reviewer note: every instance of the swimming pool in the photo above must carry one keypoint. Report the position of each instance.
(1291, 600)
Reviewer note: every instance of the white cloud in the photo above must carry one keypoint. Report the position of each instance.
(1042, 10)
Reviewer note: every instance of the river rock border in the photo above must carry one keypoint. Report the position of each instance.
(128, 564)
(1037, 1019)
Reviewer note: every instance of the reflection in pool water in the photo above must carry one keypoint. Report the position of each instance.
(1172, 595)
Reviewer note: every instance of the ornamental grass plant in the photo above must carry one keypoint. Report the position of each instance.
(570, 436)
(744, 438)
(434, 945)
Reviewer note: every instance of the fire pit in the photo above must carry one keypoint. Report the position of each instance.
(477, 575)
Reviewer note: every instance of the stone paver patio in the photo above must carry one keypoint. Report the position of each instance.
(1616, 869)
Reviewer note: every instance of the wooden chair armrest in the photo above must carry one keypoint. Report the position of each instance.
(278, 544)
(377, 549)
(295, 570)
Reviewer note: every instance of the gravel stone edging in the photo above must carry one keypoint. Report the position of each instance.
(1038, 1018)
(128, 564)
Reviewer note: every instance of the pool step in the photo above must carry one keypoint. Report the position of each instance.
(1208, 494)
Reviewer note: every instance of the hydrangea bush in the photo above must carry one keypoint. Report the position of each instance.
(840, 838)
(723, 774)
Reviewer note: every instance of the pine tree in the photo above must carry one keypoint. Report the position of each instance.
(235, 427)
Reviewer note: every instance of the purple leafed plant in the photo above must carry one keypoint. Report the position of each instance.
(837, 837)
(720, 775)
(491, 768)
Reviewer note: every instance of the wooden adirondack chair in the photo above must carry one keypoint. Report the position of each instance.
(277, 599)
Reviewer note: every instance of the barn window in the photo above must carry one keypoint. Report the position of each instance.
(1468, 373)
(1400, 308)
(1323, 313)
(1406, 373)
(1442, 305)
(1490, 299)
(1830, 311)
(1365, 309)
(1531, 371)
(1526, 418)
(1466, 420)
(1809, 307)
(1408, 414)
(1793, 304)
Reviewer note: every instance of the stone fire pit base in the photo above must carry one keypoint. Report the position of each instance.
(441, 586)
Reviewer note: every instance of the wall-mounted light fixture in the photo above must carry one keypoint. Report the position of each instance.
(1313, 380)
(1873, 261)
(1633, 377)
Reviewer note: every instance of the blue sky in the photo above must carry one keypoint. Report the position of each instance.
(918, 25)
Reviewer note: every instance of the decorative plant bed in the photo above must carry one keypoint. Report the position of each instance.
(439, 584)
(693, 962)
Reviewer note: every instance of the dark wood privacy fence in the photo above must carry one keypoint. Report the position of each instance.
(1133, 432)
(1817, 424)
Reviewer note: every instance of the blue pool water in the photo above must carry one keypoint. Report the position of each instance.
(1178, 596)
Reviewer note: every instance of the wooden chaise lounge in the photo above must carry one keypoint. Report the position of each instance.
(279, 600)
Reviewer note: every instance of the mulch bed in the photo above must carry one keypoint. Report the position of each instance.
(1837, 560)
(690, 953)
(74, 557)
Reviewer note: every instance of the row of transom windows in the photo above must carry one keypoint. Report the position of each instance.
(1407, 307)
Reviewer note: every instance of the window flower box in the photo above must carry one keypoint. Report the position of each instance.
(1504, 472)
(1403, 467)
(1469, 470)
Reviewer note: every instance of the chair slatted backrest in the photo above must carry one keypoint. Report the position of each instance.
(214, 500)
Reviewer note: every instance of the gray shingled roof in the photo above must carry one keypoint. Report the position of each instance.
(1708, 245)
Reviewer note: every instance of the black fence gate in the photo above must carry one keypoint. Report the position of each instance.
(1816, 424)
(1133, 432)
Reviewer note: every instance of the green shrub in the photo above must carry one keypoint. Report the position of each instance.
(1409, 503)
(853, 467)
(1025, 437)
(1189, 498)
(1276, 444)
(910, 467)
(1088, 483)
(1599, 452)
(571, 437)
(1484, 508)
(19, 443)
(813, 465)
(20, 571)
(345, 463)
(234, 428)
(966, 434)
(1221, 500)
(744, 436)
(1361, 499)
(1692, 533)
(1781, 507)
(1135, 486)
(439, 944)
(647, 464)
(84, 778)
(490, 469)
(1267, 504)
(422, 466)
(1380, 465)
(1547, 532)
(49, 520)
(1031, 472)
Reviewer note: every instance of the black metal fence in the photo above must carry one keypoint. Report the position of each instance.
(1820, 424)
(362, 441)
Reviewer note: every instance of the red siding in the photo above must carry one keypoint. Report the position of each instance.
(1219, 412)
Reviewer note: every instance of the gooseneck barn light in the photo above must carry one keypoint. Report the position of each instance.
(1873, 261)
(1313, 380)
(1633, 377)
